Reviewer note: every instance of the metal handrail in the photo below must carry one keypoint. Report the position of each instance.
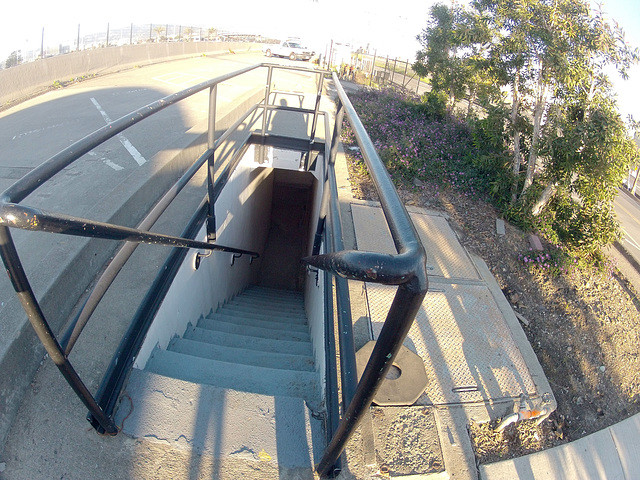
(15, 215)
(106, 279)
(407, 269)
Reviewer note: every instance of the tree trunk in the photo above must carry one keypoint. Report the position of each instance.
(517, 157)
(472, 99)
(545, 196)
(541, 103)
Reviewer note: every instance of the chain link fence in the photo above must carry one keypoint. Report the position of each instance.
(383, 72)
(48, 42)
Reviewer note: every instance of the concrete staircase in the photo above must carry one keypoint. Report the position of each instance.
(240, 384)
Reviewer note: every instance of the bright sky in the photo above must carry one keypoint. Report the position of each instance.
(389, 28)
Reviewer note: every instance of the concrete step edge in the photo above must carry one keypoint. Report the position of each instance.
(246, 378)
(218, 325)
(283, 361)
(249, 343)
(258, 322)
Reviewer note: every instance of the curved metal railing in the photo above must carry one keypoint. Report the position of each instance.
(13, 214)
(407, 269)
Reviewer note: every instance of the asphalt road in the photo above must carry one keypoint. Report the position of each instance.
(628, 210)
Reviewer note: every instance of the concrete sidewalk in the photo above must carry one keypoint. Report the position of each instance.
(607, 454)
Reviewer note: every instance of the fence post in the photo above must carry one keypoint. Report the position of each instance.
(406, 67)
(373, 66)
(394, 69)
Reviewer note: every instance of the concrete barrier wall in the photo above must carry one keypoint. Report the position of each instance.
(23, 81)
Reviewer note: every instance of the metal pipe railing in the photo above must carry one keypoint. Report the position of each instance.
(14, 215)
(407, 269)
(34, 179)
(108, 276)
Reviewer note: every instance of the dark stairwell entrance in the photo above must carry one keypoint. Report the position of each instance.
(288, 237)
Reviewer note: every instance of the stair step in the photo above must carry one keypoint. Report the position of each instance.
(261, 314)
(287, 315)
(222, 323)
(267, 304)
(222, 422)
(284, 361)
(259, 322)
(273, 292)
(300, 321)
(296, 300)
(217, 325)
(246, 378)
(249, 343)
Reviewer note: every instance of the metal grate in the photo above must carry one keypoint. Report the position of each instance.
(465, 343)
(445, 255)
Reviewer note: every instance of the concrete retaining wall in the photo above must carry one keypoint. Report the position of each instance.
(23, 81)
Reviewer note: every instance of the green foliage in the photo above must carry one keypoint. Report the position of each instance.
(490, 157)
(560, 124)
(433, 105)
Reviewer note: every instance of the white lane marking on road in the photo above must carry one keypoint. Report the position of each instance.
(37, 130)
(107, 162)
(113, 165)
(137, 156)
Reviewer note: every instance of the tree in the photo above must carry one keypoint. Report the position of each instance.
(550, 55)
(438, 60)
(14, 59)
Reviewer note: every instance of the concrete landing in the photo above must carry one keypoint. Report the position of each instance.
(222, 423)
(470, 350)
(477, 359)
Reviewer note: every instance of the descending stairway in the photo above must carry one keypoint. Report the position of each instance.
(242, 381)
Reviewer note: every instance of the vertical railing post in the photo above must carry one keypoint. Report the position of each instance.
(373, 66)
(333, 406)
(316, 109)
(211, 141)
(37, 319)
(395, 60)
(267, 95)
(335, 138)
(404, 307)
(406, 67)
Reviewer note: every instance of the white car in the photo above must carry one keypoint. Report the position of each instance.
(291, 49)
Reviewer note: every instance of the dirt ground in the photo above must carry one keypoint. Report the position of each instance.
(584, 327)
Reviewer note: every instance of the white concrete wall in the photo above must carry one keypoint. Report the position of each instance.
(314, 294)
(243, 212)
(27, 79)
